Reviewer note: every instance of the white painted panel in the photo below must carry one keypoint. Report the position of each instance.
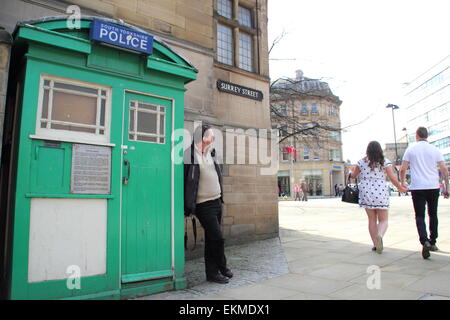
(65, 232)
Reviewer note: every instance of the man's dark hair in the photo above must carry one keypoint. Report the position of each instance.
(199, 132)
(422, 132)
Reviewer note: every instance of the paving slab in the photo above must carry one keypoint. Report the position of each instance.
(258, 291)
(340, 271)
(390, 279)
(361, 292)
(436, 283)
(434, 297)
(306, 284)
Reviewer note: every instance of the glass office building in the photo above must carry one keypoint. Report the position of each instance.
(427, 101)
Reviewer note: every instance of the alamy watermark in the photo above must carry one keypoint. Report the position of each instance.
(74, 277)
(74, 19)
(374, 279)
(234, 146)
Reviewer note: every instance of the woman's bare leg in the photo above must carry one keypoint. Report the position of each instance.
(382, 221)
(373, 227)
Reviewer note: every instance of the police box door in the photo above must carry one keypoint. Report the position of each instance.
(146, 188)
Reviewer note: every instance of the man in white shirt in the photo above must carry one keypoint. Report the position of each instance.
(424, 160)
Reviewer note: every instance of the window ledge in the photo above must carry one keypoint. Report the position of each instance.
(97, 143)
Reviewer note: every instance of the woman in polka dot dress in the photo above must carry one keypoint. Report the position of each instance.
(373, 191)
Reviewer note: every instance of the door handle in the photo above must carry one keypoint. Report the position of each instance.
(125, 179)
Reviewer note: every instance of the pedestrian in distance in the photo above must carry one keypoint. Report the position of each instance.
(373, 191)
(424, 159)
(297, 192)
(341, 190)
(336, 190)
(305, 189)
(203, 197)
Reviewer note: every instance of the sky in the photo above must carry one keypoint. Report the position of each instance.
(365, 50)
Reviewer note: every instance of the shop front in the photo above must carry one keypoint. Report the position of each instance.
(93, 198)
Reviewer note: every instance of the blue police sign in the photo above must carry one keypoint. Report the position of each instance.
(120, 36)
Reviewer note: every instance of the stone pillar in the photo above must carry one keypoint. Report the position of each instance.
(5, 52)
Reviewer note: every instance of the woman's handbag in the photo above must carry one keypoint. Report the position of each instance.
(351, 192)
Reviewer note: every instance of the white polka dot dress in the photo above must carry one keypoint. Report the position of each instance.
(373, 189)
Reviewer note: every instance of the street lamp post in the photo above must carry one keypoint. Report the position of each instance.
(393, 107)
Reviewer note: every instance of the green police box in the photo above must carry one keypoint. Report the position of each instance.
(95, 200)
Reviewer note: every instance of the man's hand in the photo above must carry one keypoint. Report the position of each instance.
(403, 189)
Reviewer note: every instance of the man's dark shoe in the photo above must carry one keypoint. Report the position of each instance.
(426, 250)
(218, 278)
(434, 248)
(227, 273)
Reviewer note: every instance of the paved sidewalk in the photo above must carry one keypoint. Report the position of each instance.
(328, 251)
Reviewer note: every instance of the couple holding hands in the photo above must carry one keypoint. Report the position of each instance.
(425, 161)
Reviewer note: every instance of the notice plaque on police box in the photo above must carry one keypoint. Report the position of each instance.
(91, 169)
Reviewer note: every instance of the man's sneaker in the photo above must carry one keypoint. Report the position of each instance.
(426, 250)
(379, 245)
(434, 248)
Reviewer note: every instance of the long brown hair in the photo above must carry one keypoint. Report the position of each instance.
(375, 155)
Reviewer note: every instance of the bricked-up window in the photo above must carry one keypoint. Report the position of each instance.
(245, 17)
(236, 35)
(225, 8)
(245, 52)
(224, 44)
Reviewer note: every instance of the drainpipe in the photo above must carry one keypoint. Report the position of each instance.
(5, 52)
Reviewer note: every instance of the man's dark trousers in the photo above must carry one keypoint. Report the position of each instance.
(209, 214)
(420, 199)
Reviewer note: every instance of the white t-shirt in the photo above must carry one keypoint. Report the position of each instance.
(423, 158)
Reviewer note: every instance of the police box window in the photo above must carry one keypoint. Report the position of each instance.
(147, 122)
(75, 110)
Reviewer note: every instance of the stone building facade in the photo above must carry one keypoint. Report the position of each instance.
(226, 40)
(308, 107)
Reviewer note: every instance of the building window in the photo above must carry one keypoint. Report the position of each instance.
(335, 136)
(335, 155)
(245, 17)
(147, 122)
(305, 153)
(283, 110)
(245, 52)
(225, 8)
(332, 111)
(235, 41)
(285, 156)
(224, 44)
(317, 153)
(70, 109)
(304, 110)
(314, 109)
(442, 143)
(283, 131)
